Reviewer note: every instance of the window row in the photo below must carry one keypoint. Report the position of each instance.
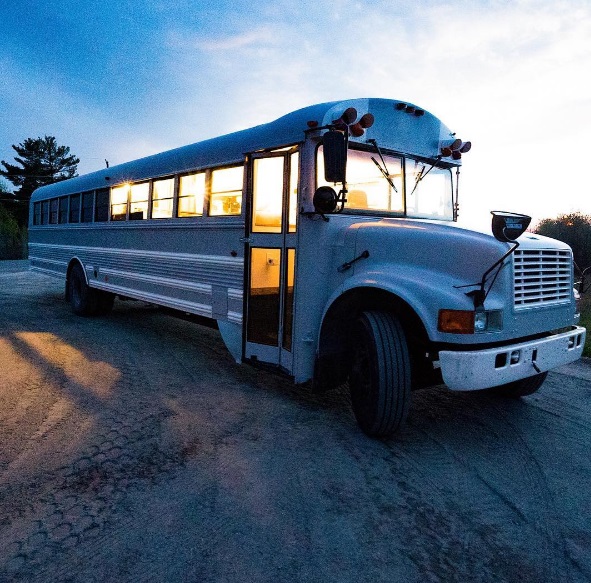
(213, 192)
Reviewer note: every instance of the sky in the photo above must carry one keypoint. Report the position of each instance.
(122, 79)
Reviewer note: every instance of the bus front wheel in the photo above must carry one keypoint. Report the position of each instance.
(380, 378)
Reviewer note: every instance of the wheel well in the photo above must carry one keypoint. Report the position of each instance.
(73, 261)
(335, 346)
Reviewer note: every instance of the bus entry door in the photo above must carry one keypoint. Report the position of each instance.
(271, 256)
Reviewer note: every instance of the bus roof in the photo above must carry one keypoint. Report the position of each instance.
(399, 126)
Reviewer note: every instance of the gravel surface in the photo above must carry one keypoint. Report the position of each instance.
(133, 448)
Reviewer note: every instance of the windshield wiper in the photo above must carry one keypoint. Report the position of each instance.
(383, 169)
(422, 173)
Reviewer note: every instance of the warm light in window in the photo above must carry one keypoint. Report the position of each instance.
(191, 195)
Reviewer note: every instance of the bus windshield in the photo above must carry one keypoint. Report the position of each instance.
(428, 190)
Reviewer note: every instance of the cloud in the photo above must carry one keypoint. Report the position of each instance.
(510, 76)
(230, 43)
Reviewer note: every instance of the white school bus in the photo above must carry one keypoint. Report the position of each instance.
(324, 244)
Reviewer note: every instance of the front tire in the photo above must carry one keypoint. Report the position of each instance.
(380, 378)
(520, 388)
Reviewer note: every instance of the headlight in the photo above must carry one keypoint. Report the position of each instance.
(480, 321)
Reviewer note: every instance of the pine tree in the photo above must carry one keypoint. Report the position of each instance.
(40, 161)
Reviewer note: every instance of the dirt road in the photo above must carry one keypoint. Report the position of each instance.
(132, 448)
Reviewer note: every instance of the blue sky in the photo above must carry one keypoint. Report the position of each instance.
(124, 79)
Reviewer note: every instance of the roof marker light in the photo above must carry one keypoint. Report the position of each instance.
(466, 147)
(356, 130)
(366, 120)
(349, 115)
(312, 124)
(347, 124)
(400, 106)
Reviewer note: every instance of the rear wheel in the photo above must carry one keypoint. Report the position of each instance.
(520, 388)
(86, 301)
(380, 377)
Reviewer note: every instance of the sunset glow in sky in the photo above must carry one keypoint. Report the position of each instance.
(121, 80)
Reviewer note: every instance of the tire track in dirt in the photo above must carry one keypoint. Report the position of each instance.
(192, 468)
(493, 461)
(54, 510)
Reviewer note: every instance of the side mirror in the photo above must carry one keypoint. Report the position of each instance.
(334, 149)
(507, 227)
(325, 200)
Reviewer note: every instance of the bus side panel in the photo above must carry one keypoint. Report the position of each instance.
(196, 268)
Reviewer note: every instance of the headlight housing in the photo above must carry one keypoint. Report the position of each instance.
(469, 321)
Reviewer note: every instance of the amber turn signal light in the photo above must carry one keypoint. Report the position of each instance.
(456, 321)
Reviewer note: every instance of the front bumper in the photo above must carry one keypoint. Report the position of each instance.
(482, 369)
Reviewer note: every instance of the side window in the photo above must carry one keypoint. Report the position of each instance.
(226, 191)
(101, 208)
(87, 207)
(119, 201)
(191, 195)
(139, 201)
(75, 208)
(63, 210)
(45, 212)
(162, 198)
(37, 213)
(53, 211)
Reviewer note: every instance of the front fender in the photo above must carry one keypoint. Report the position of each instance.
(424, 290)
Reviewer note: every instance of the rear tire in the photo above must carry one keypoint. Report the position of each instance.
(86, 301)
(380, 378)
(520, 388)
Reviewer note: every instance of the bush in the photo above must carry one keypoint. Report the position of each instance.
(574, 229)
(12, 237)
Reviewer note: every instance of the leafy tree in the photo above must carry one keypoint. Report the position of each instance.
(11, 236)
(40, 161)
(575, 230)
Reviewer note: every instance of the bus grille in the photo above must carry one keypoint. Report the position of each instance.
(542, 277)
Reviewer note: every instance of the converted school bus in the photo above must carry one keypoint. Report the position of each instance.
(323, 243)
